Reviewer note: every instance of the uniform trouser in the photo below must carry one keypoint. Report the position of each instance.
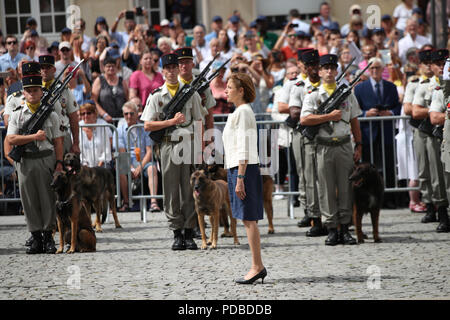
(310, 172)
(431, 180)
(446, 170)
(67, 144)
(447, 183)
(298, 147)
(334, 166)
(38, 199)
(178, 199)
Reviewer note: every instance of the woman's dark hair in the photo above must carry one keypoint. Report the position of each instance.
(109, 60)
(96, 32)
(357, 42)
(227, 45)
(243, 80)
(101, 37)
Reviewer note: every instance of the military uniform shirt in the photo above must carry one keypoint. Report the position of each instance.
(13, 101)
(298, 92)
(350, 109)
(193, 110)
(410, 90)
(424, 92)
(287, 86)
(437, 101)
(51, 126)
(65, 106)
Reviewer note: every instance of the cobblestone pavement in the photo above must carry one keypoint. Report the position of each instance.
(412, 262)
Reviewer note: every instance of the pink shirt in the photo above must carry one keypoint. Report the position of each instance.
(143, 85)
(384, 75)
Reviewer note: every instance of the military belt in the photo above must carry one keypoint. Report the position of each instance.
(333, 142)
(37, 155)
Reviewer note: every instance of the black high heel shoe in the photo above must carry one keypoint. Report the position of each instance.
(262, 274)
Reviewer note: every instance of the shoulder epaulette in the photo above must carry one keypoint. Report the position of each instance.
(156, 90)
(312, 90)
(425, 81)
(17, 94)
(300, 83)
(438, 88)
(17, 108)
(415, 80)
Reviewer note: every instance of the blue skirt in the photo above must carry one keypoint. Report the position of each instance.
(251, 208)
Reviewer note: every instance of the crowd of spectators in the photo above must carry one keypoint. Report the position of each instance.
(121, 69)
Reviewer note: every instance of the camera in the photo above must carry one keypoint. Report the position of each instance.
(139, 11)
(129, 15)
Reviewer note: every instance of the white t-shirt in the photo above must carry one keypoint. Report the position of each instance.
(402, 13)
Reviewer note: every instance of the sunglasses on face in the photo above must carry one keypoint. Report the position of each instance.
(88, 113)
(128, 114)
(65, 50)
(11, 42)
(30, 48)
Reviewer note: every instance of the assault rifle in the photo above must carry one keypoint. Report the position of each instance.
(37, 120)
(211, 78)
(332, 103)
(176, 104)
(294, 124)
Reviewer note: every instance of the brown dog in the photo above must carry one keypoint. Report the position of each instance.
(74, 223)
(95, 186)
(216, 172)
(211, 198)
(368, 191)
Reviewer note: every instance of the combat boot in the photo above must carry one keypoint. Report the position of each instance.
(444, 224)
(332, 238)
(305, 222)
(430, 216)
(188, 239)
(345, 237)
(49, 243)
(178, 244)
(317, 230)
(36, 245)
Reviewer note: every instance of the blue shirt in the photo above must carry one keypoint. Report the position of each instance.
(138, 138)
(6, 61)
(210, 36)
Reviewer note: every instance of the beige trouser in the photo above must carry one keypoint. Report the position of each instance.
(178, 199)
(312, 193)
(334, 166)
(38, 199)
(432, 183)
(298, 148)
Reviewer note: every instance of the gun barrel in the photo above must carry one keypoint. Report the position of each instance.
(342, 75)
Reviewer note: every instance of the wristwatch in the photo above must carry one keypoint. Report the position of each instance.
(241, 176)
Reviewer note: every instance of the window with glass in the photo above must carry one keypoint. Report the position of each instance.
(50, 14)
(156, 10)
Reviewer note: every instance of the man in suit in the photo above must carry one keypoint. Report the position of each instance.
(378, 97)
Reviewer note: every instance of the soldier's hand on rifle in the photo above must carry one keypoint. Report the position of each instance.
(40, 135)
(179, 118)
(335, 115)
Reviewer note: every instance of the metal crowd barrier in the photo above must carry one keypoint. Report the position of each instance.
(262, 124)
(4, 167)
(141, 196)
